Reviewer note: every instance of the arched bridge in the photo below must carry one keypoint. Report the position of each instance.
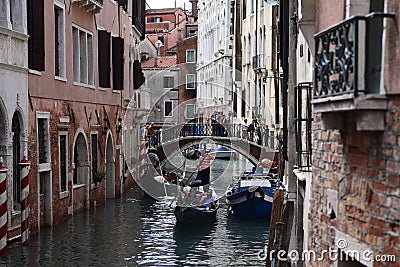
(254, 146)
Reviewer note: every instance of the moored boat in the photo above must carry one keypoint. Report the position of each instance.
(224, 153)
(251, 195)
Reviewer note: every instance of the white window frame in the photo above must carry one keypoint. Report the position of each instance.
(194, 111)
(169, 76)
(87, 81)
(62, 53)
(194, 81)
(194, 53)
(63, 194)
(47, 165)
(172, 109)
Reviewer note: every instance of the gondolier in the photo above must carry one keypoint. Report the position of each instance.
(203, 175)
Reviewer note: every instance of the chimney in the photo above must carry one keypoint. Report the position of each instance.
(194, 8)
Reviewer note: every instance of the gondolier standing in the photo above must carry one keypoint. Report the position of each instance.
(203, 175)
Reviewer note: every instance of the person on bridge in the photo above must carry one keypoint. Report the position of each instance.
(203, 175)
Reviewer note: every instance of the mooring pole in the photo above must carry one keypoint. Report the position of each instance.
(276, 218)
(3, 209)
(25, 166)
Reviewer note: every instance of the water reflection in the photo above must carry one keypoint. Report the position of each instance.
(138, 231)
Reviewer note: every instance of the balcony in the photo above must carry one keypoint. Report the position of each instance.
(259, 62)
(347, 73)
(91, 5)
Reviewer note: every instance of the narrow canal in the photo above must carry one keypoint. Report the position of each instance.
(138, 231)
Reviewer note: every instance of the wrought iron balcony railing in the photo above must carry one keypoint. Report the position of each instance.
(259, 61)
(346, 54)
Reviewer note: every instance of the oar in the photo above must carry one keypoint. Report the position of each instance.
(163, 182)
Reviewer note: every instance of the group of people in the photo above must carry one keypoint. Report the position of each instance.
(194, 198)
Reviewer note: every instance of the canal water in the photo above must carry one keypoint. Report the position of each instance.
(139, 231)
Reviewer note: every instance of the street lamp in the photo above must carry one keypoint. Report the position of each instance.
(158, 44)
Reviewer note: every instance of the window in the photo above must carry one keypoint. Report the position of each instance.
(168, 82)
(190, 81)
(59, 41)
(35, 18)
(95, 160)
(157, 19)
(190, 56)
(190, 110)
(262, 3)
(82, 56)
(63, 162)
(167, 108)
(253, 5)
(161, 38)
(43, 140)
(104, 56)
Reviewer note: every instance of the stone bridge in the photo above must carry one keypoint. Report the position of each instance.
(255, 147)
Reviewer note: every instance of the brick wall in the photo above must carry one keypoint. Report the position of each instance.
(363, 168)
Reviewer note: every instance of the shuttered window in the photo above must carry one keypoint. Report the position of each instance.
(36, 52)
(138, 77)
(168, 82)
(104, 58)
(118, 63)
(82, 56)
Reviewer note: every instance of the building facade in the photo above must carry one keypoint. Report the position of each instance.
(13, 103)
(260, 76)
(167, 25)
(354, 196)
(77, 94)
(187, 79)
(214, 57)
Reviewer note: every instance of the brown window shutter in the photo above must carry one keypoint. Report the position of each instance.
(104, 58)
(138, 75)
(118, 63)
(36, 50)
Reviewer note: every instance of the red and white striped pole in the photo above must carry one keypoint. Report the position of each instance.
(25, 166)
(143, 154)
(3, 209)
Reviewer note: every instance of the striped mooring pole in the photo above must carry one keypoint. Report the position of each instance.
(3, 208)
(143, 155)
(25, 166)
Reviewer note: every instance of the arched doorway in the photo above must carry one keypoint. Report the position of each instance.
(110, 168)
(81, 173)
(16, 147)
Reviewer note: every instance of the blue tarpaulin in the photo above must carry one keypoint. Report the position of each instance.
(272, 2)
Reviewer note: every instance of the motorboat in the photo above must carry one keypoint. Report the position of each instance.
(224, 153)
(251, 194)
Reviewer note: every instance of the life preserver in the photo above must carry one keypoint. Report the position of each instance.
(256, 197)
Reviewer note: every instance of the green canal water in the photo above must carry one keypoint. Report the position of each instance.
(136, 230)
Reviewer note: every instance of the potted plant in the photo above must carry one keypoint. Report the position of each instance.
(98, 176)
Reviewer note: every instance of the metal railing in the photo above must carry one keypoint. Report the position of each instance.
(260, 136)
(259, 61)
(98, 1)
(303, 123)
(338, 50)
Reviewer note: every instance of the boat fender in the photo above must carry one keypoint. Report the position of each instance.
(255, 199)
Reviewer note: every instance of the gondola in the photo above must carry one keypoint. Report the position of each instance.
(191, 213)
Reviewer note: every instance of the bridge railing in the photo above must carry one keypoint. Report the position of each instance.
(261, 136)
